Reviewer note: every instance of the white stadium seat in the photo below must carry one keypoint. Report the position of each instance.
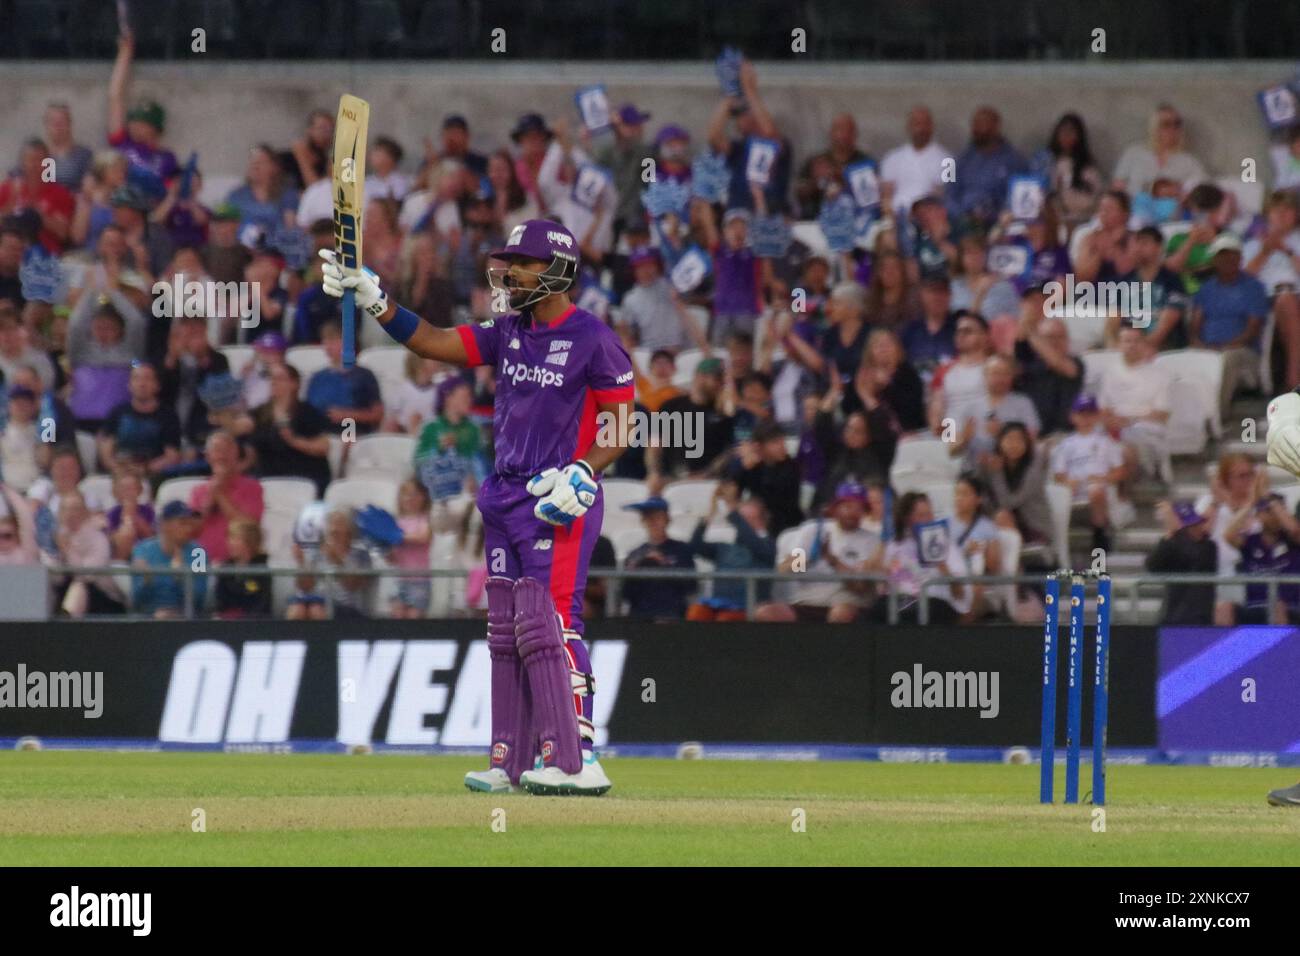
(388, 364)
(98, 492)
(689, 498)
(238, 356)
(625, 541)
(88, 452)
(622, 491)
(1096, 363)
(308, 360)
(687, 360)
(359, 492)
(1058, 502)
(922, 457)
(378, 456)
(175, 489)
(1203, 368)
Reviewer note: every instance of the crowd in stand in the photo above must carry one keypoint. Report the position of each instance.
(809, 369)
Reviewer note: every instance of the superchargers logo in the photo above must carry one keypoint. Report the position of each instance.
(218, 694)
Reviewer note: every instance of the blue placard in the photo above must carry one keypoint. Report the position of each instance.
(40, 277)
(292, 243)
(589, 185)
(710, 178)
(1280, 106)
(727, 66)
(666, 196)
(593, 107)
(1010, 260)
(864, 183)
(594, 298)
(760, 159)
(1025, 196)
(770, 236)
(932, 542)
(838, 221)
(691, 269)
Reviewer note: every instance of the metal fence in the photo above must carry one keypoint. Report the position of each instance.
(1128, 588)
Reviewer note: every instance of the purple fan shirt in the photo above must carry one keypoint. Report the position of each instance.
(551, 380)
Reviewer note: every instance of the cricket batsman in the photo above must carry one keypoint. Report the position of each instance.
(557, 368)
(1283, 444)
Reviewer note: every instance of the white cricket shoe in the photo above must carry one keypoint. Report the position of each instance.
(495, 780)
(590, 781)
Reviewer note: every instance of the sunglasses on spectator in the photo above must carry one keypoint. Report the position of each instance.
(1173, 122)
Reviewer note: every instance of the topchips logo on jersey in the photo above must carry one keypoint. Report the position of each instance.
(531, 373)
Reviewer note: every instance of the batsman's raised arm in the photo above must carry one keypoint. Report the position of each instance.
(405, 327)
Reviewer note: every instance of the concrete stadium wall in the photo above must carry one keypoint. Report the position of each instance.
(220, 107)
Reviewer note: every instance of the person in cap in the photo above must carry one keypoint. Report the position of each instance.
(558, 368)
(930, 340)
(837, 544)
(673, 152)
(762, 467)
(30, 189)
(21, 449)
(1269, 546)
(138, 132)
(255, 377)
(224, 255)
(1228, 315)
(163, 595)
(455, 145)
(753, 549)
(647, 598)
(625, 155)
(653, 313)
(1091, 464)
(737, 282)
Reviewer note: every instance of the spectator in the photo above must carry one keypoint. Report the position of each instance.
(916, 168)
(978, 289)
(1091, 464)
(887, 378)
(975, 533)
(347, 595)
(93, 212)
(413, 406)
(855, 454)
(1186, 548)
(736, 300)
(22, 452)
(138, 133)
(654, 312)
(448, 453)
(983, 170)
(455, 145)
(17, 351)
(384, 178)
(892, 299)
(1016, 480)
(224, 255)
(32, 192)
(925, 241)
(1272, 258)
(838, 352)
(988, 413)
(752, 550)
(673, 153)
(255, 377)
(310, 153)
(716, 436)
(907, 568)
(425, 282)
(1228, 313)
(1101, 250)
(104, 339)
(1135, 399)
(762, 467)
(1048, 373)
(625, 155)
(150, 248)
(183, 218)
(1236, 485)
(226, 497)
(62, 476)
(345, 394)
(594, 597)
(266, 203)
(1073, 180)
(1286, 161)
(413, 593)
(189, 363)
(649, 598)
(291, 437)
(241, 596)
(1164, 327)
(822, 170)
(511, 203)
(958, 387)
(13, 247)
(748, 403)
(131, 520)
(1162, 155)
(18, 544)
(82, 542)
(752, 120)
(383, 240)
(655, 386)
(1188, 253)
(1048, 259)
(1273, 548)
(837, 546)
(930, 341)
(163, 595)
(72, 160)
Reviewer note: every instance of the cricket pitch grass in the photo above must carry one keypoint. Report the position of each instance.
(61, 808)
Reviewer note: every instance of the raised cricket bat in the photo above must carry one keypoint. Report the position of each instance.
(349, 202)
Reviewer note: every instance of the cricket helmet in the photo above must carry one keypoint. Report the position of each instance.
(546, 241)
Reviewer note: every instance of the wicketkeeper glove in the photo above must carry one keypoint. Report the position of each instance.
(1283, 440)
(370, 298)
(566, 493)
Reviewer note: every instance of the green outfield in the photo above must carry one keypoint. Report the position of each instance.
(61, 808)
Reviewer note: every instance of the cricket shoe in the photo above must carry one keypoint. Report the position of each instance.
(590, 781)
(1288, 797)
(495, 780)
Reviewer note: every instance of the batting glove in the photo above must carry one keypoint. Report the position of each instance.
(566, 493)
(1284, 432)
(336, 279)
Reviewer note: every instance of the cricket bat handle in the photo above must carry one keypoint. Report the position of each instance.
(349, 328)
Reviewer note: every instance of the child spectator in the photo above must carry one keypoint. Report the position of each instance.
(348, 595)
(130, 520)
(736, 302)
(753, 550)
(447, 457)
(901, 558)
(412, 600)
(244, 595)
(1016, 479)
(22, 451)
(413, 406)
(1274, 549)
(82, 541)
(1091, 464)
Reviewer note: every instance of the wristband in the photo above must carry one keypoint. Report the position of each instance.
(403, 325)
(587, 468)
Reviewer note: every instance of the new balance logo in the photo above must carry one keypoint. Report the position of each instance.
(543, 545)
(623, 379)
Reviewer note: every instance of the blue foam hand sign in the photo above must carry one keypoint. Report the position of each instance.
(593, 107)
(770, 236)
(40, 277)
(864, 183)
(666, 196)
(865, 227)
(1010, 260)
(1025, 196)
(838, 221)
(727, 66)
(292, 243)
(760, 158)
(691, 269)
(1279, 105)
(710, 178)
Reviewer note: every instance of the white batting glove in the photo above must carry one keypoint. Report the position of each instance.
(1284, 432)
(566, 493)
(370, 298)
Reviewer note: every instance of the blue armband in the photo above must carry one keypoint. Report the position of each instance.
(403, 325)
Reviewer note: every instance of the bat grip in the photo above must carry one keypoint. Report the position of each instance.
(349, 328)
